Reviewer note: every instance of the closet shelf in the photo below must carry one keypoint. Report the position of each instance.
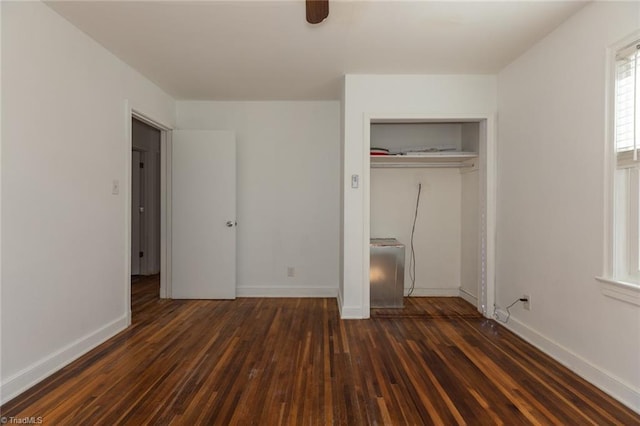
(435, 159)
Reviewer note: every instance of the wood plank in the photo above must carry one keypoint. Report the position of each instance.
(293, 361)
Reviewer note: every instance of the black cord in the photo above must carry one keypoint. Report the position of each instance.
(519, 299)
(412, 256)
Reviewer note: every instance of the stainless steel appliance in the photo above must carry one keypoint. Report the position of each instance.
(386, 273)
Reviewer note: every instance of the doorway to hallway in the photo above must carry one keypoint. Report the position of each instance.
(145, 204)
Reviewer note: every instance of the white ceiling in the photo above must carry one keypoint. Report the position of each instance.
(265, 50)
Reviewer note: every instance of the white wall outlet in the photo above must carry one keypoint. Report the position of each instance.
(526, 304)
(115, 187)
(291, 271)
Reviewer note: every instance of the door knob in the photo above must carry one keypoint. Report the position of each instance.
(231, 223)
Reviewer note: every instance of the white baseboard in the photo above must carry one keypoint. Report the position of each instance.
(256, 291)
(285, 291)
(433, 292)
(464, 294)
(348, 312)
(614, 386)
(40, 370)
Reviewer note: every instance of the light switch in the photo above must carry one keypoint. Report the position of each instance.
(115, 188)
(355, 181)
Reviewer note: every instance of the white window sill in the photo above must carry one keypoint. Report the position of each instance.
(621, 290)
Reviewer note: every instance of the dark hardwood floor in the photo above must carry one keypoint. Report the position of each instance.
(293, 361)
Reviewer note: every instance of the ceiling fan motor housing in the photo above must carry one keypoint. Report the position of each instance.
(317, 11)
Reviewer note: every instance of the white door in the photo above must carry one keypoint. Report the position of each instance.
(203, 215)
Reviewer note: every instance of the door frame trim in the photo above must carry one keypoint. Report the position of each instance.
(165, 202)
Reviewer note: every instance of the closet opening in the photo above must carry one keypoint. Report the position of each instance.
(427, 216)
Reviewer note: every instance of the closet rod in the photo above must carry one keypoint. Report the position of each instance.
(419, 165)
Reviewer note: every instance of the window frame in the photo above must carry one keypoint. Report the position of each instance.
(626, 266)
(614, 284)
(633, 249)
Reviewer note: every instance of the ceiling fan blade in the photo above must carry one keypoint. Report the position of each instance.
(317, 11)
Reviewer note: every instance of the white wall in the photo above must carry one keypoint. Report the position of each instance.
(288, 193)
(393, 95)
(64, 140)
(1, 185)
(551, 202)
(342, 189)
(437, 239)
(470, 235)
(470, 217)
(397, 136)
